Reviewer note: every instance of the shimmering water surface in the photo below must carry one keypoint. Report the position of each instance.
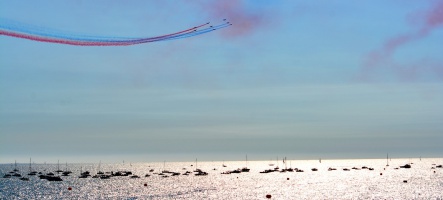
(383, 182)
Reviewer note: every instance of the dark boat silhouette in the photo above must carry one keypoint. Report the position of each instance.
(314, 169)
(53, 178)
(407, 166)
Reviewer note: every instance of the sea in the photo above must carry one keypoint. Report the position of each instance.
(424, 180)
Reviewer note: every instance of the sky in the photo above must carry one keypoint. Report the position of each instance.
(330, 79)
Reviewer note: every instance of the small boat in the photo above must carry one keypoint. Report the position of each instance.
(201, 173)
(99, 164)
(267, 171)
(407, 166)
(135, 176)
(53, 178)
(105, 176)
(15, 167)
(31, 173)
(24, 179)
(387, 160)
(58, 167)
(7, 176)
(246, 169)
(314, 169)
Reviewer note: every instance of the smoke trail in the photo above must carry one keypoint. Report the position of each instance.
(40, 34)
(383, 57)
(237, 11)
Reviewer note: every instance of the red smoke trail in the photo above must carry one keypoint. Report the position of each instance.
(431, 20)
(246, 21)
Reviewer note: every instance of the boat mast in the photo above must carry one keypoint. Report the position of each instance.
(387, 159)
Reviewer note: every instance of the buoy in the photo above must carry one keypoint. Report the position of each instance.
(145, 184)
(268, 196)
(287, 179)
(381, 174)
(69, 188)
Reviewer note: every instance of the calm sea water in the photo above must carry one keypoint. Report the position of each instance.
(422, 181)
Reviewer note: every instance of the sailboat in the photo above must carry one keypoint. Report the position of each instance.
(387, 159)
(15, 167)
(99, 164)
(58, 167)
(246, 169)
(31, 173)
(277, 168)
(66, 172)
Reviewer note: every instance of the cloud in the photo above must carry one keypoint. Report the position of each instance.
(428, 21)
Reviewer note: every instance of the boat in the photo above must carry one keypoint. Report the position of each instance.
(407, 166)
(246, 169)
(58, 167)
(16, 175)
(105, 176)
(314, 169)
(15, 167)
(99, 164)
(201, 173)
(24, 179)
(387, 160)
(53, 178)
(31, 173)
(66, 172)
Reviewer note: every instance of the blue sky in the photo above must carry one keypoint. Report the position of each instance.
(289, 78)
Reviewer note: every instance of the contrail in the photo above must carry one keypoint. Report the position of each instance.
(29, 32)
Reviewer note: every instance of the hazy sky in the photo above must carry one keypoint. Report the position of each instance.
(302, 79)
